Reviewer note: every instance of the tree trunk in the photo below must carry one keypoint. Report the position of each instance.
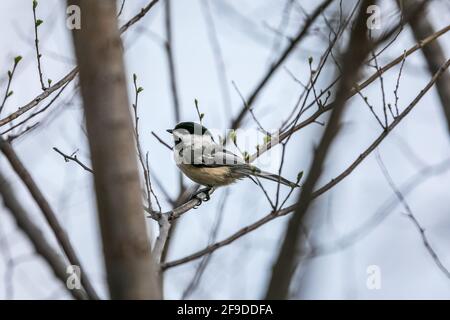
(434, 55)
(131, 271)
(286, 262)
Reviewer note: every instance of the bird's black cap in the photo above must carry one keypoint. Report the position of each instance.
(192, 128)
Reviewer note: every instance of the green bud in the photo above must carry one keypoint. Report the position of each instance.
(233, 136)
(39, 22)
(140, 89)
(35, 4)
(134, 77)
(246, 156)
(299, 176)
(49, 82)
(310, 60)
(9, 94)
(267, 139)
(17, 59)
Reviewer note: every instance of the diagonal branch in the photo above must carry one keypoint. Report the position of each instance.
(48, 212)
(36, 237)
(434, 55)
(316, 193)
(420, 44)
(172, 73)
(71, 75)
(275, 66)
(285, 265)
(411, 216)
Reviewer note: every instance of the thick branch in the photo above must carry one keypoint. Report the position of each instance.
(285, 264)
(36, 237)
(131, 270)
(48, 212)
(434, 55)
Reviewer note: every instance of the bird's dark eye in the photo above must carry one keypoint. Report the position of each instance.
(176, 139)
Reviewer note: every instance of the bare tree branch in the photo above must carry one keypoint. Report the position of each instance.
(411, 216)
(37, 23)
(73, 158)
(48, 212)
(172, 72)
(130, 267)
(284, 267)
(434, 55)
(275, 66)
(187, 206)
(357, 88)
(36, 237)
(71, 75)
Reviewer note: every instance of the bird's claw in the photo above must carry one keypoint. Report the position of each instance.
(200, 196)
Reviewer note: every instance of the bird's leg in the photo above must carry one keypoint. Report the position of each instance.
(207, 191)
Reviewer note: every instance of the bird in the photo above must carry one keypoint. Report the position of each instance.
(208, 163)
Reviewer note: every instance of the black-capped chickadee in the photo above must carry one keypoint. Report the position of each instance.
(208, 163)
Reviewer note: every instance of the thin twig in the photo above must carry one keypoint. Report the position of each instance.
(36, 237)
(283, 24)
(10, 77)
(411, 216)
(250, 109)
(285, 54)
(199, 114)
(150, 183)
(37, 112)
(172, 73)
(10, 138)
(48, 212)
(398, 82)
(37, 23)
(383, 95)
(142, 161)
(380, 215)
(165, 144)
(71, 75)
(360, 86)
(73, 158)
(366, 101)
(220, 63)
(138, 16)
(170, 59)
(192, 286)
(121, 8)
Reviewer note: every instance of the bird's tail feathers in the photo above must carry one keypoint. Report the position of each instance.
(256, 172)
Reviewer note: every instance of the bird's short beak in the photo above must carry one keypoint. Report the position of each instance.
(169, 130)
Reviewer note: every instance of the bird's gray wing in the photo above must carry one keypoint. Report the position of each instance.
(219, 156)
(214, 155)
